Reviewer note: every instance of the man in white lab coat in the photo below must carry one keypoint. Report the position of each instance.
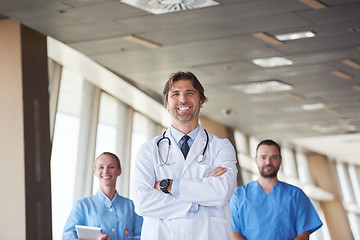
(182, 185)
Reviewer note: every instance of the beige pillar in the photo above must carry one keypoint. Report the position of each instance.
(334, 212)
(221, 131)
(25, 135)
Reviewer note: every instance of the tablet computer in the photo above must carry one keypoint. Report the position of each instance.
(88, 233)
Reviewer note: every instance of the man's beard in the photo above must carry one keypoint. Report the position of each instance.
(269, 175)
(185, 118)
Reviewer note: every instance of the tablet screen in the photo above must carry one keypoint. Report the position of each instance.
(88, 233)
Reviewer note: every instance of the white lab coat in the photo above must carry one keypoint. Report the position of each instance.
(167, 217)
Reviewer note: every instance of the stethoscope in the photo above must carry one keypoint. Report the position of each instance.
(162, 162)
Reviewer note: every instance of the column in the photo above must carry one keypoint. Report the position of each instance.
(221, 131)
(25, 134)
(335, 215)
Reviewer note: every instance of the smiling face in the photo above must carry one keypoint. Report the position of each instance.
(268, 160)
(107, 169)
(183, 103)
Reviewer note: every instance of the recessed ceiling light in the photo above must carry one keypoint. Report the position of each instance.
(262, 87)
(313, 107)
(161, 7)
(295, 35)
(325, 129)
(342, 125)
(272, 62)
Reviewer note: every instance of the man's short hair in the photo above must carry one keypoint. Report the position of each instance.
(109, 154)
(268, 142)
(174, 77)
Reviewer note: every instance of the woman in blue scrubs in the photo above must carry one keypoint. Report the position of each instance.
(108, 210)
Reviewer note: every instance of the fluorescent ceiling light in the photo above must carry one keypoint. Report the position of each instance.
(141, 41)
(313, 107)
(167, 6)
(262, 87)
(272, 62)
(295, 35)
(325, 129)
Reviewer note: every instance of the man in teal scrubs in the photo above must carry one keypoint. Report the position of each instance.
(269, 209)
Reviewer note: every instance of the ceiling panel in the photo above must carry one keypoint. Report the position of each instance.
(194, 53)
(79, 3)
(216, 43)
(334, 14)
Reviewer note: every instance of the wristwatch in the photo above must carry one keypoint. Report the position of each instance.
(164, 184)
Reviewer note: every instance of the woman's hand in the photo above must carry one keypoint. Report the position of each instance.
(104, 237)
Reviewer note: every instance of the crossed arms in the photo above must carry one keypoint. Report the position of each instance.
(215, 189)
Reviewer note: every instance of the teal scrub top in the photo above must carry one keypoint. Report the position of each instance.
(282, 214)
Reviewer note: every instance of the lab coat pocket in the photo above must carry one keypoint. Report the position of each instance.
(219, 227)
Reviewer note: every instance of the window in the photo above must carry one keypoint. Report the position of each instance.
(65, 149)
(143, 130)
(111, 137)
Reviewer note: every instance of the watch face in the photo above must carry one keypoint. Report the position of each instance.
(164, 183)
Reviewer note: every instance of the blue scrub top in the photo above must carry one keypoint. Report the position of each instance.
(282, 214)
(114, 217)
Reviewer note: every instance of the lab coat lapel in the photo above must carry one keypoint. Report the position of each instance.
(196, 148)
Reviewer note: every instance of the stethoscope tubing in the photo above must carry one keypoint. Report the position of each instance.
(169, 144)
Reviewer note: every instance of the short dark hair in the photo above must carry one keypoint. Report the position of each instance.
(268, 142)
(110, 154)
(174, 77)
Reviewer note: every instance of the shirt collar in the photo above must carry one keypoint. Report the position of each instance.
(177, 135)
(105, 199)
